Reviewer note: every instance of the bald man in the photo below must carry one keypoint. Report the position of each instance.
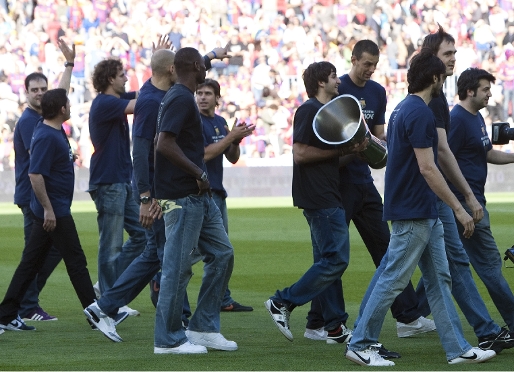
(144, 267)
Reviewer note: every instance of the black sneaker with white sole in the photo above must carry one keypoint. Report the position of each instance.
(497, 342)
(17, 325)
(340, 335)
(280, 315)
(384, 353)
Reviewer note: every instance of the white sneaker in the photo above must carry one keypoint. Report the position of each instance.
(186, 348)
(96, 288)
(129, 311)
(101, 321)
(420, 325)
(368, 357)
(475, 355)
(1, 331)
(316, 334)
(211, 339)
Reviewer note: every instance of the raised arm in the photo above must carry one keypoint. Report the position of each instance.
(69, 55)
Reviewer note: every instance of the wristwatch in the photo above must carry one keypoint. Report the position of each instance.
(144, 199)
(203, 177)
(69, 64)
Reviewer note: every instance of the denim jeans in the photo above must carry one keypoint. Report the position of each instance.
(117, 211)
(193, 222)
(31, 299)
(486, 260)
(138, 274)
(363, 205)
(66, 240)
(464, 289)
(221, 203)
(413, 242)
(331, 252)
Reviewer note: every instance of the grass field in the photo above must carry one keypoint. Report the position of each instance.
(272, 249)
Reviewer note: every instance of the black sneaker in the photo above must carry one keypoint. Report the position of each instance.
(17, 325)
(497, 342)
(339, 335)
(236, 307)
(280, 315)
(384, 353)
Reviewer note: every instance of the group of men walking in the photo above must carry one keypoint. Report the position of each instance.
(434, 198)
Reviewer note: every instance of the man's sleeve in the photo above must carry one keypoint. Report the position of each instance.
(41, 152)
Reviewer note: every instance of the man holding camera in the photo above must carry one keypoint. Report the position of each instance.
(469, 141)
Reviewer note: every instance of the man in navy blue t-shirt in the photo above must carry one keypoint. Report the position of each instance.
(464, 289)
(110, 174)
(470, 143)
(362, 202)
(192, 220)
(36, 84)
(316, 191)
(52, 177)
(412, 185)
(219, 142)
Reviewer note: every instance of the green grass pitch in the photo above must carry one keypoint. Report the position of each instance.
(272, 250)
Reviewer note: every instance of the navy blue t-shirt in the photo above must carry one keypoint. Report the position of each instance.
(21, 141)
(439, 106)
(51, 156)
(214, 130)
(315, 185)
(407, 194)
(469, 142)
(109, 132)
(145, 126)
(179, 115)
(372, 98)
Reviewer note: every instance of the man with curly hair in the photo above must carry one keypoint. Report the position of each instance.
(110, 174)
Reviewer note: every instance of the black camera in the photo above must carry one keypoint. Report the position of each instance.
(502, 133)
(509, 254)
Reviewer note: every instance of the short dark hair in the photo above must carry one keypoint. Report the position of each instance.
(365, 46)
(470, 80)
(185, 58)
(35, 76)
(423, 67)
(212, 84)
(316, 72)
(105, 70)
(52, 102)
(434, 41)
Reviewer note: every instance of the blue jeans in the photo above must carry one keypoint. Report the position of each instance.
(486, 260)
(363, 205)
(221, 203)
(194, 222)
(413, 242)
(117, 211)
(331, 253)
(464, 289)
(508, 97)
(31, 299)
(138, 274)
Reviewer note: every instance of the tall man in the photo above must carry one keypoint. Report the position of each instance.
(411, 185)
(36, 84)
(52, 177)
(316, 191)
(361, 201)
(192, 220)
(472, 147)
(219, 141)
(464, 290)
(110, 174)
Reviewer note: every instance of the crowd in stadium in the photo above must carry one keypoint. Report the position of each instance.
(271, 43)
